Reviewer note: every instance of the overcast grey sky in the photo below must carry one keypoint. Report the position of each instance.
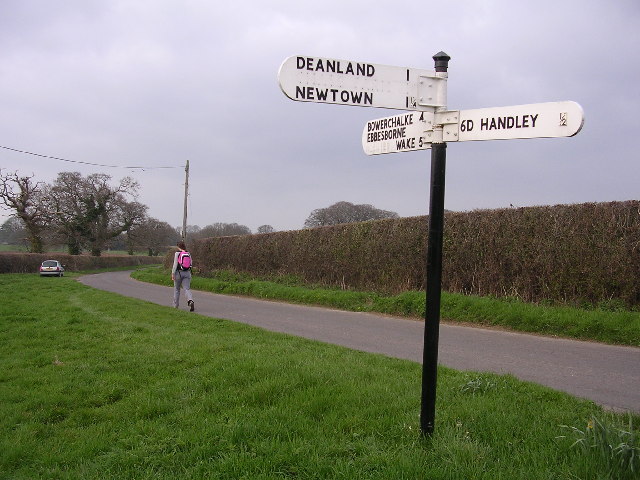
(156, 82)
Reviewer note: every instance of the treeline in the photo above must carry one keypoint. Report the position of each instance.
(564, 253)
(83, 213)
(90, 213)
(12, 262)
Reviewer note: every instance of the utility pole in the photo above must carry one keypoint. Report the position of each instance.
(186, 194)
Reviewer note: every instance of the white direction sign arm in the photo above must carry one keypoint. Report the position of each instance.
(401, 133)
(538, 120)
(345, 82)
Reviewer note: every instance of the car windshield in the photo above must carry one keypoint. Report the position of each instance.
(49, 263)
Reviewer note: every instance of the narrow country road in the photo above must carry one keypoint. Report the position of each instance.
(608, 375)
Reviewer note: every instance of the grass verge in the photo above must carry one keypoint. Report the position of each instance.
(98, 386)
(614, 327)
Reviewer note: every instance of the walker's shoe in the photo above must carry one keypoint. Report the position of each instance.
(191, 305)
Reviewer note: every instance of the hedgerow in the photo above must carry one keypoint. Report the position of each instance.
(586, 253)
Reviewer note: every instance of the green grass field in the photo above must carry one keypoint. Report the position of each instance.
(98, 386)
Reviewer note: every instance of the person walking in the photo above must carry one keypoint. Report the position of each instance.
(181, 276)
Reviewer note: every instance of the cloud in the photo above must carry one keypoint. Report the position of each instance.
(156, 83)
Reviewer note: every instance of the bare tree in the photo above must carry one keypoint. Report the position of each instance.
(12, 232)
(151, 235)
(345, 212)
(90, 212)
(131, 215)
(223, 230)
(265, 229)
(67, 206)
(25, 198)
(193, 231)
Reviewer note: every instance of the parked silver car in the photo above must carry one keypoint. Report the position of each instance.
(51, 267)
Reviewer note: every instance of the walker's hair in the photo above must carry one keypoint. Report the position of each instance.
(182, 246)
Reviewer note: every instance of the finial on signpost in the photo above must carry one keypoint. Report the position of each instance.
(442, 61)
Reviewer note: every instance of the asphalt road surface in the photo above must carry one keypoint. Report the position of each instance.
(608, 375)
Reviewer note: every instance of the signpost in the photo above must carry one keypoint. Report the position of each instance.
(428, 125)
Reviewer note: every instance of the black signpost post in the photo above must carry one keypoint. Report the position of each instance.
(434, 275)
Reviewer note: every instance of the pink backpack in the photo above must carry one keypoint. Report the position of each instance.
(184, 260)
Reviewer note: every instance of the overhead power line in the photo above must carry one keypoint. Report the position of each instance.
(87, 163)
